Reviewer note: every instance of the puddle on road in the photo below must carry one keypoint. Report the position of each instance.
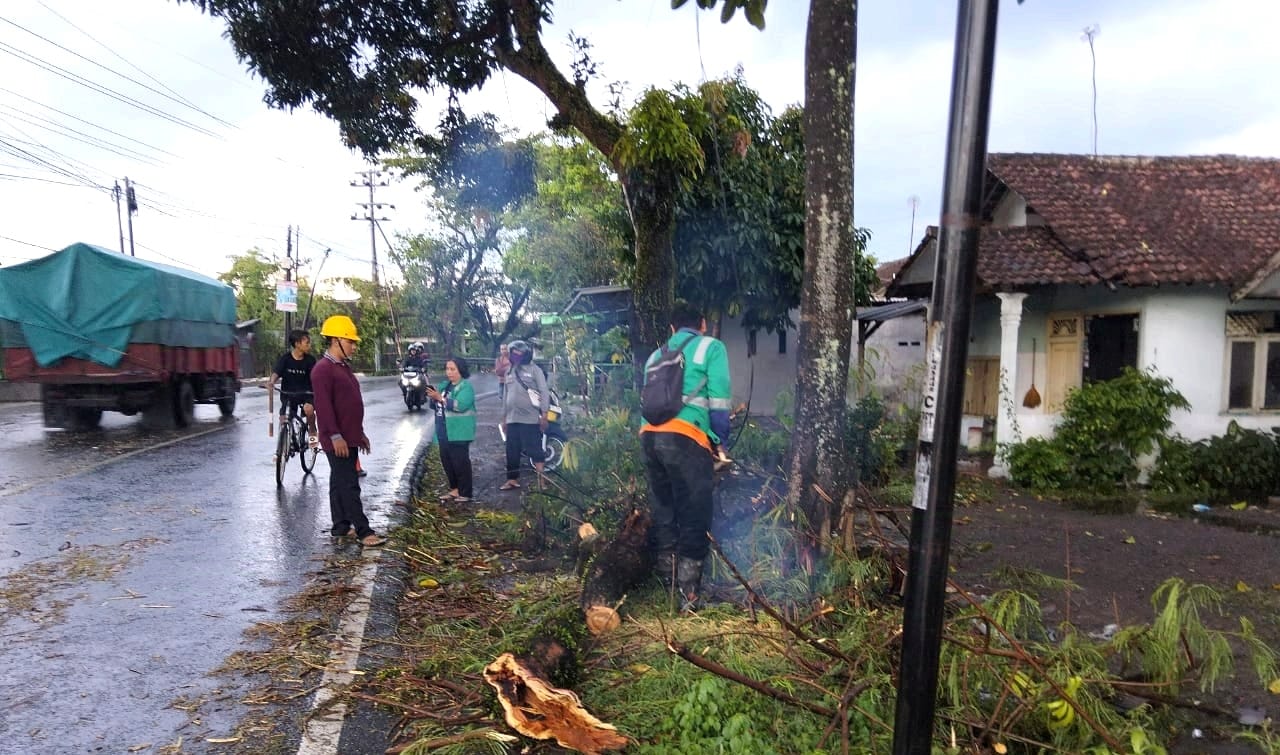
(28, 594)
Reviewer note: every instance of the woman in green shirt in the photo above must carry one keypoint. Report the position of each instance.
(455, 406)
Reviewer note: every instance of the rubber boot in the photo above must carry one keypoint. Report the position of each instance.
(689, 582)
(665, 567)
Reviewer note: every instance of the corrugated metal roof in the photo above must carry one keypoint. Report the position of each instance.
(891, 310)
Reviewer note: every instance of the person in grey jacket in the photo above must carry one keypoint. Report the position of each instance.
(523, 421)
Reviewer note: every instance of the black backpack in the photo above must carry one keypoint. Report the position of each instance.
(662, 396)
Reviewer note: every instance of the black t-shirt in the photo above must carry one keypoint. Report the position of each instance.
(442, 434)
(295, 374)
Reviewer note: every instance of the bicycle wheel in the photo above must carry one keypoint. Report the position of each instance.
(284, 448)
(306, 454)
(554, 452)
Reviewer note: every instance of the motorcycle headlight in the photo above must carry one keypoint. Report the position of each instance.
(415, 382)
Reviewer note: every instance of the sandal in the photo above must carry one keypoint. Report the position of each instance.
(373, 540)
(509, 485)
(349, 533)
(447, 497)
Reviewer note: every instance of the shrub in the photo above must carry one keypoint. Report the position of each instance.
(1239, 464)
(1039, 464)
(879, 438)
(1105, 428)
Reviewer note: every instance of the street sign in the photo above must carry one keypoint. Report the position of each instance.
(287, 296)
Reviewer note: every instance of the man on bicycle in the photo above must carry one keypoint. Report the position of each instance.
(293, 369)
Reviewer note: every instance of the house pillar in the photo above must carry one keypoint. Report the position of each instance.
(1006, 420)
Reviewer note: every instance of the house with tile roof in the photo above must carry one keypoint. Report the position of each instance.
(1088, 265)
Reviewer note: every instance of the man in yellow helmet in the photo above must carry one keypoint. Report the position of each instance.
(340, 419)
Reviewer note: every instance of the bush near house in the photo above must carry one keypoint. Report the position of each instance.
(1240, 465)
(1105, 428)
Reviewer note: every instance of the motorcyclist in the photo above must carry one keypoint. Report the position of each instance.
(416, 357)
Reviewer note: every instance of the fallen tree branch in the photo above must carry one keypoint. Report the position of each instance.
(706, 664)
(818, 643)
(423, 712)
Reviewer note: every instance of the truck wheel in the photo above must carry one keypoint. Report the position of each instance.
(158, 415)
(184, 404)
(85, 418)
(227, 405)
(55, 412)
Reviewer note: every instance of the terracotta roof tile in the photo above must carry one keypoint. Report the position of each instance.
(1143, 221)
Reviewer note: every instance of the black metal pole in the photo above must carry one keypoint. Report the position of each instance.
(946, 351)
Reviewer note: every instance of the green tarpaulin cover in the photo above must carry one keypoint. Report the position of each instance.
(90, 303)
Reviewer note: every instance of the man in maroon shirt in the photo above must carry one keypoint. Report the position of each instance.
(340, 420)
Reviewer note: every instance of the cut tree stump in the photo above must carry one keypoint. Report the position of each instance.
(536, 709)
(620, 566)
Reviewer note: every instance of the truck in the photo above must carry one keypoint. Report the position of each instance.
(100, 331)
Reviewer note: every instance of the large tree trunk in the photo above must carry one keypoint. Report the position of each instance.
(651, 202)
(817, 454)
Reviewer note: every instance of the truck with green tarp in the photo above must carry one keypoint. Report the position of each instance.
(99, 331)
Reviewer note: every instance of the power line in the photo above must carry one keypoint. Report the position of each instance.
(74, 167)
(21, 153)
(117, 73)
(14, 177)
(28, 243)
(117, 55)
(101, 89)
(80, 136)
(88, 123)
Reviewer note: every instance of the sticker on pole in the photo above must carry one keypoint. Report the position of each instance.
(933, 364)
(287, 296)
(920, 495)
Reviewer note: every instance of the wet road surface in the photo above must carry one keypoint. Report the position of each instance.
(132, 561)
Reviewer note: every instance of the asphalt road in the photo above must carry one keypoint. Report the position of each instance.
(132, 562)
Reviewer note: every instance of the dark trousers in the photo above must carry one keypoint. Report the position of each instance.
(345, 507)
(456, 460)
(523, 438)
(679, 472)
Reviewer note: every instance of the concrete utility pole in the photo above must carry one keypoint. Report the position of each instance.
(115, 192)
(372, 179)
(131, 205)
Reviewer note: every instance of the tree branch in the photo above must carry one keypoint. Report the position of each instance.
(532, 63)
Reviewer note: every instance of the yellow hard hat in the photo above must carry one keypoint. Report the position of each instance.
(339, 326)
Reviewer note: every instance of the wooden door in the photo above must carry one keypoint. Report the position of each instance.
(982, 386)
(1066, 333)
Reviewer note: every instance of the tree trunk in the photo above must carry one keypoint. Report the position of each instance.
(651, 203)
(817, 454)
(620, 566)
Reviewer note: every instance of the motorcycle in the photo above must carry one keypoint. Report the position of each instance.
(413, 386)
(553, 440)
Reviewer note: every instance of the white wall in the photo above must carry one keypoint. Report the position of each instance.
(895, 357)
(1182, 336)
(773, 372)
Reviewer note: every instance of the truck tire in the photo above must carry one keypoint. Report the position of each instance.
(84, 418)
(227, 405)
(184, 404)
(159, 414)
(55, 412)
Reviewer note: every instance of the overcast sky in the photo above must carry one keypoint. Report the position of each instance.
(219, 173)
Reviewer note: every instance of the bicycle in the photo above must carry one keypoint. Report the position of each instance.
(292, 441)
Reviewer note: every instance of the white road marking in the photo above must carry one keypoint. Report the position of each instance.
(324, 728)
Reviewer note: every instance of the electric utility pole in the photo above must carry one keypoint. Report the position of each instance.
(131, 205)
(115, 192)
(372, 179)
